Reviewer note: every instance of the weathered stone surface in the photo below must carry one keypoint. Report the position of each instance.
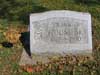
(60, 32)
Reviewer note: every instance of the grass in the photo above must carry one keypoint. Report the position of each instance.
(9, 57)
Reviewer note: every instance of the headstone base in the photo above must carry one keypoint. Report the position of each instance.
(26, 60)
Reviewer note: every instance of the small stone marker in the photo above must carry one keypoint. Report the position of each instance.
(59, 33)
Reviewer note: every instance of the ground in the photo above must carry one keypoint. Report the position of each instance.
(9, 57)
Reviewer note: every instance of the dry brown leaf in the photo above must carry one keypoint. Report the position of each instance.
(12, 36)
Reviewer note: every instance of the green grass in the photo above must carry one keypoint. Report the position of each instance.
(9, 58)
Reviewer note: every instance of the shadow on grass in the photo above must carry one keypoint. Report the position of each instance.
(25, 40)
(88, 2)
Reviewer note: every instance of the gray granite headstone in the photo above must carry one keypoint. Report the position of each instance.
(58, 33)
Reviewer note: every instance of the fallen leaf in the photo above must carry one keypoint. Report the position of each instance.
(29, 69)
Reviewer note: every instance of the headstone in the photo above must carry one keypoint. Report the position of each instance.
(58, 33)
